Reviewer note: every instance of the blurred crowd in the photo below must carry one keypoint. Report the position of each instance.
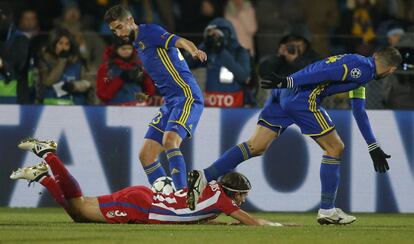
(60, 52)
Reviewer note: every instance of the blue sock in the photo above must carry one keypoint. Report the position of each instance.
(228, 161)
(177, 168)
(154, 171)
(329, 175)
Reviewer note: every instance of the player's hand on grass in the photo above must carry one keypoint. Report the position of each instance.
(275, 224)
(379, 158)
(269, 223)
(200, 55)
(274, 81)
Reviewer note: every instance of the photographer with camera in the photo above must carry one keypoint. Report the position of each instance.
(294, 53)
(228, 65)
(14, 51)
(121, 79)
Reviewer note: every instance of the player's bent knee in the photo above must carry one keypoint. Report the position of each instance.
(256, 153)
(76, 214)
(171, 140)
(146, 157)
(256, 149)
(77, 219)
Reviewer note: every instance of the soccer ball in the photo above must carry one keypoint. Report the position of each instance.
(164, 185)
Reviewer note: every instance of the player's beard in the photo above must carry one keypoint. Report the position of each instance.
(131, 36)
(128, 39)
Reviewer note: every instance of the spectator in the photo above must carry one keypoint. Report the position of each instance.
(276, 19)
(294, 53)
(359, 21)
(90, 43)
(384, 92)
(121, 79)
(394, 35)
(63, 72)
(363, 21)
(389, 32)
(153, 11)
(242, 15)
(193, 16)
(29, 23)
(211, 9)
(14, 49)
(399, 88)
(228, 66)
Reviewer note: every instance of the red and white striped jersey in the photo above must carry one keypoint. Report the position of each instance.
(172, 209)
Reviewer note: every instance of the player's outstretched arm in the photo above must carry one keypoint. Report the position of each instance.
(191, 48)
(379, 157)
(246, 219)
(312, 74)
(306, 76)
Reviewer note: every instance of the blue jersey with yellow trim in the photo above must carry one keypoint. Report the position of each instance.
(301, 104)
(164, 63)
(337, 74)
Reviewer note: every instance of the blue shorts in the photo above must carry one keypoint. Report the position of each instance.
(180, 115)
(289, 106)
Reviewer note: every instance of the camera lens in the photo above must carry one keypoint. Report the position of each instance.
(291, 49)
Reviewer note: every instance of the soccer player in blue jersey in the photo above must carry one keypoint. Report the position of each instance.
(296, 100)
(178, 117)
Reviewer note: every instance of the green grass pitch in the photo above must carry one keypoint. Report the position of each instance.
(51, 225)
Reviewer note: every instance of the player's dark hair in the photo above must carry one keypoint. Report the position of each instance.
(116, 12)
(235, 182)
(389, 56)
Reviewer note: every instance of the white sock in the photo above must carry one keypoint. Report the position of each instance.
(45, 155)
(327, 211)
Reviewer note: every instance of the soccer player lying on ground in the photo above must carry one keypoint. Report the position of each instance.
(137, 204)
(178, 117)
(296, 100)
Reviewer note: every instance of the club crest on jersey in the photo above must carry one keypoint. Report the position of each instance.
(141, 45)
(116, 213)
(356, 73)
(164, 35)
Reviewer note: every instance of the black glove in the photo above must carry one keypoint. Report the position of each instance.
(64, 54)
(68, 87)
(135, 75)
(379, 158)
(274, 81)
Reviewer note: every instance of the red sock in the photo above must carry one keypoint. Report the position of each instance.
(53, 188)
(68, 185)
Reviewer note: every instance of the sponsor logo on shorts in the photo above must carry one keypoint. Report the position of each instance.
(116, 213)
